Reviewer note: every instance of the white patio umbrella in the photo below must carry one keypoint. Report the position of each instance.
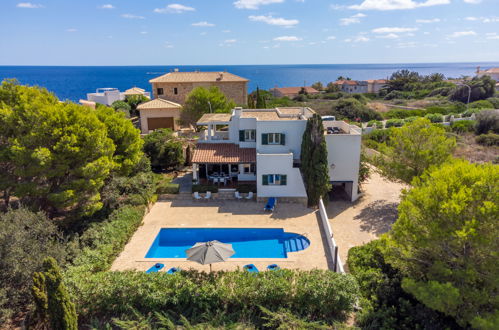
(209, 252)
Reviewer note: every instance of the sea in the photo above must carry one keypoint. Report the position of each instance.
(74, 82)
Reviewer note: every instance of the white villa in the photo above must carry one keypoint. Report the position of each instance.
(109, 95)
(263, 146)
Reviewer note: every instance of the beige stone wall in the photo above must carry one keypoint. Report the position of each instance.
(157, 113)
(237, 91)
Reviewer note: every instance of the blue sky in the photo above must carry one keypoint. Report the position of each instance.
(158, 32)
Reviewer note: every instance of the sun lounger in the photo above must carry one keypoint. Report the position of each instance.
(250, 195)
(270, 204)
(196, 195)
(273, 267)
(238, 195)
(156, 268)
(208, 195)
(250, 268)
(173, 270)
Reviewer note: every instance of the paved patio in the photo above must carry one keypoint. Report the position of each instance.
(236, 214)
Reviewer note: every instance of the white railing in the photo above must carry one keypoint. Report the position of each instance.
(331, 243)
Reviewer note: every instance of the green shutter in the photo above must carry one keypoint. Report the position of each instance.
(265, 139)
(241, 135)
(283, 139)
(265, 180)
(284, 179)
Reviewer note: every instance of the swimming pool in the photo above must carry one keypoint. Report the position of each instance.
(246, 242)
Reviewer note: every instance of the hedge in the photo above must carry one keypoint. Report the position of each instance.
(246, 188)
(203, 188)
(168, 188)
(394, 123)
(489, 139)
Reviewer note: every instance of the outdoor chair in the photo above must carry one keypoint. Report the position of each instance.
(250, 268)
(156, 268)
(196, 195)
(208, 195)
(250, 195)
(173, 270)
(270, 204)
(238, 196)
(273, 267)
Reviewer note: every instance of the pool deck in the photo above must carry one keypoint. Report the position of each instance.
(226, 214)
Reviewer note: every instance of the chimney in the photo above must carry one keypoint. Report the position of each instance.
(238, 111)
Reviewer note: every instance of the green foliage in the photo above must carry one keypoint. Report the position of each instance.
(26, 238)
(494, 101)
(314, 164)
(463, 126)
(134, 100)
(385, 305)
(481, 89)
(203, 188)
(164, 150)
(434, 117)
(380, 135)
(487, 121)
(133, 190)
(481, 104)
(490, 139)
(375, 123)
(54, 156)
(353, 109)
(260, 99)
(52, 299)
(403, 113)
(126, 138)
(123, 107)
(414, 148)
(318, 86)
(198, 103)
(394, 123)
(333, 95)
(168, 188)
(364, 169)
(332, 88)
(445, 241)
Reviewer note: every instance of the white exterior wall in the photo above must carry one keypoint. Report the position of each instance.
(343, 150)
(293, 129)
(247, 123)
(279, 164)
(106, 98)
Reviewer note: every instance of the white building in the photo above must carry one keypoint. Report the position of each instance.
(263, 146)
(109, 95)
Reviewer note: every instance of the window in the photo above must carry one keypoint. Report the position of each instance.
(175, 90)
(249, 168)
(249, 135)
(274, 180)
(159, 91)
(274, 138)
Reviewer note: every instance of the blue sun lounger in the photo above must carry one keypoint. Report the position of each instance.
(250, 268)
(273, 267)
(270, 204)
(156, 268)
(173, 270)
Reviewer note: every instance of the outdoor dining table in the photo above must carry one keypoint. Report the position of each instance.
(218, 178)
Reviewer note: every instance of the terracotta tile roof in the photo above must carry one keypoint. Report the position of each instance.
(492, 70)
(346, 82)
(223, 153)
(214, 117)
(377, 81)
(295, 90)
(135, 91)
(159, 104)
(197, 76)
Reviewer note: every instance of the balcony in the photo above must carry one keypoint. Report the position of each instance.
(210, 136)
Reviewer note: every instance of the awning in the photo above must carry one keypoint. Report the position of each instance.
(223, 153)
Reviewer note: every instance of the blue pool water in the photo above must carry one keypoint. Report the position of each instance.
(246, 242)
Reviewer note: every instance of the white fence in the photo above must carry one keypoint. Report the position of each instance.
(331, 244)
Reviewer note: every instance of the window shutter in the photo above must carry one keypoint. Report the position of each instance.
(283, 139)
(241, 135)
(284, 179)
(265, 139)
(265, 180)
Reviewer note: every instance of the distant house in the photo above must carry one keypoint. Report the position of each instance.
(374, 86)
(352, 86)
(159, 113)
(176, 85)
(292, 92)
(109, 95)
(493, 73)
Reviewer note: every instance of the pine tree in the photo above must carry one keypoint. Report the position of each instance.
(52, 300)
(314, 161)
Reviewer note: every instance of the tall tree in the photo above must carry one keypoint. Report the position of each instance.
(445, 242)
(318, 86)
(164, 150)
(201, 100)
(481, 88)
(414, 148)
(52, 300)
(260, 99)
(57, 154)
(314, 161)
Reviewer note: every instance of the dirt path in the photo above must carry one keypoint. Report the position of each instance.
(365, 220)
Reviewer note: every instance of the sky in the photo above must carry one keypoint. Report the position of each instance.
(231, 32)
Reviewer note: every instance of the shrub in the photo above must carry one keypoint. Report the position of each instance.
(164, 150)
(490, 139)
(246, 188)
(486, 121)
(394, 123)
(202, 188)
(381, 136)
(168, 188)
(434, 117)
(494, 101)
(352, 109)
(333, 96)
(410, 119)
(135, 190)
(482, 104)
(361, 98)
(375, 123)
(371, 144)
(403, 113)
(463, 126)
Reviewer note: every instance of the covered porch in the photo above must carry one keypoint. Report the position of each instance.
(223, 163)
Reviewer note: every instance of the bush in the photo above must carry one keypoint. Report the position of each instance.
(394, 123)
(361, 98)
(352, 109)
(403, 113)
(246, 188)
(168, 188)
(121, 191)
(463, 126)
(410, 119)
(487, 121)
(380, 136)
(482, 104)
(201, 188)
(333, 96)
(494, 101)
(434, 117)
(375, 123)
(164, 150)
(490, 139)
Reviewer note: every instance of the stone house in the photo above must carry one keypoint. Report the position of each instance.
(176, 85)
